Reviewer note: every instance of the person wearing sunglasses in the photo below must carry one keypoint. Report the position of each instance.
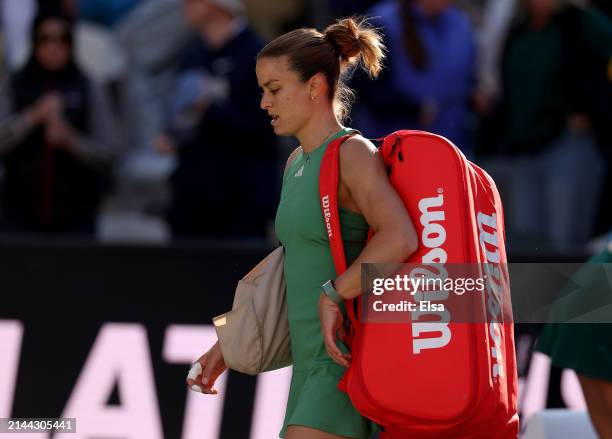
(57, 137)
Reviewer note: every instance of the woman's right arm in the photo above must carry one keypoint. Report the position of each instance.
(209, 366)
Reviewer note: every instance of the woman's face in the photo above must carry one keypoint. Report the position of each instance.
(51, 45)
(285, 97)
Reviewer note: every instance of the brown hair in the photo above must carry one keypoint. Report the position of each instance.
(343, 44)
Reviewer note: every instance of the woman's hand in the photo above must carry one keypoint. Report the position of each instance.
(48, 106)
(60, 134)
(206, 370)
(332, 325)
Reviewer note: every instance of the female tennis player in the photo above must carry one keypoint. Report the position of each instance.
(300, 74)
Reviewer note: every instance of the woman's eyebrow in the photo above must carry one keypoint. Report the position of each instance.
(269, 82)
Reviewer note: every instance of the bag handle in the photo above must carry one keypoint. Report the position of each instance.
(329, 179)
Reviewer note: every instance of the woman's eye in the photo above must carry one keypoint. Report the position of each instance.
(274, 91)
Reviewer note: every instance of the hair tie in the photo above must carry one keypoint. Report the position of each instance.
(334, 45)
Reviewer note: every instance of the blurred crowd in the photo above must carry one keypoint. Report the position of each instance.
(139, 120)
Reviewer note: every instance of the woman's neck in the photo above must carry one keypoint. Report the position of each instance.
(317, 132)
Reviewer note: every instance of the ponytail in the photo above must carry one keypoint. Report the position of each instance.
(356, 42)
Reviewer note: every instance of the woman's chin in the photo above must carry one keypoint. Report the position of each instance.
(279, 131)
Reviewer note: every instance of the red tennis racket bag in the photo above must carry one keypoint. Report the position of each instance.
(464, 384)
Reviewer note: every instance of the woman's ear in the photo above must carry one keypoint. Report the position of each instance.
(316, 86)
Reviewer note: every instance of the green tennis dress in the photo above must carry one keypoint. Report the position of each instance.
(314, 398)
(584, 347)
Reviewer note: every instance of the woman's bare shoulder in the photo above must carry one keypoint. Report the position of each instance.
(356, 151)
(292, 157)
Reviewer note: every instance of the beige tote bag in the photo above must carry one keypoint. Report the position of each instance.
(254, 335)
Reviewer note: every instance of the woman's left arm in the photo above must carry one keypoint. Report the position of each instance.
(363, 174)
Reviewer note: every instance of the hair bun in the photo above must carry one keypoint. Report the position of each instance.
(356, 41)
(344, 37)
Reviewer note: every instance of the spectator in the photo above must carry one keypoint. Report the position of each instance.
(224, 182)
(153, 36)
(553, 80)
(56, 138)
(430, 68)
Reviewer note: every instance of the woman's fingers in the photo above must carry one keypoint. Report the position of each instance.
(340, 333)
(197, 380)
(195, 371)
(206, 370)
(209, 390)
(331, 322)
(207, 374)
(212, 369)
(332, 349)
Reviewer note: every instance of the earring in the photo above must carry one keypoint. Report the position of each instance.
(311, 97)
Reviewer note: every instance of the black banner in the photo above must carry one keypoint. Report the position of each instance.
(106, 335)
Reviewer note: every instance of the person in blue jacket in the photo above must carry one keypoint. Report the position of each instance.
(430, 72)
(223, 142)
